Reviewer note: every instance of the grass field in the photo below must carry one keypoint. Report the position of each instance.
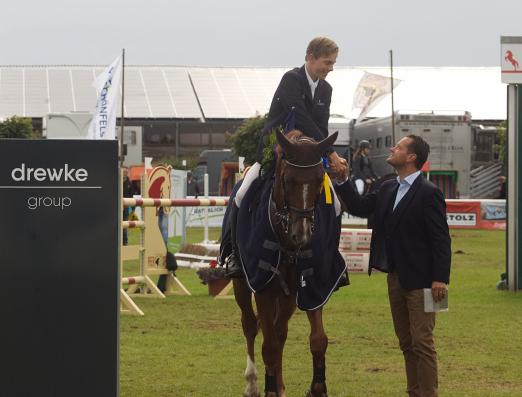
(193, 345)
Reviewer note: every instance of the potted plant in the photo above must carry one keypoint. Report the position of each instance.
(214, 277)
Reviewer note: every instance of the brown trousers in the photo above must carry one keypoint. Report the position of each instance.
(414, 328)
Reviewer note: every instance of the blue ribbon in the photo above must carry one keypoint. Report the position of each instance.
(325, 162)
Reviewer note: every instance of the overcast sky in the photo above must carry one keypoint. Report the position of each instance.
(256, 33)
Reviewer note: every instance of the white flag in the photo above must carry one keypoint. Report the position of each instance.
(371, 90)
(107, 84)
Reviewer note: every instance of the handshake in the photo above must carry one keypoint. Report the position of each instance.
(338, 168)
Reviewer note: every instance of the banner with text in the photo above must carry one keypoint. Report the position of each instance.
(59, 266)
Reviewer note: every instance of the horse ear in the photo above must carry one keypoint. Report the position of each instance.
(283, 141)
(327, 142)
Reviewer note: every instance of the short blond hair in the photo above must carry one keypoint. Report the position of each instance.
(321, 47)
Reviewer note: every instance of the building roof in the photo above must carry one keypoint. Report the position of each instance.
(239, 92)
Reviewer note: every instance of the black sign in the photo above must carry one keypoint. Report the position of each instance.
(59, 270)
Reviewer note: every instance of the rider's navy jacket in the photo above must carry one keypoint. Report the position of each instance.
(311, 114)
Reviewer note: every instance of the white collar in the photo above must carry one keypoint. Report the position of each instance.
(313, 84)
(410, 178)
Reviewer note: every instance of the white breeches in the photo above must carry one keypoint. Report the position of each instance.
(359, 183)
(251, 176)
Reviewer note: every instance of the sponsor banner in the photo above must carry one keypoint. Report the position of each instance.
(493, 214)
(463, 214)
(196, 215)
(59, 266)
(355, 240)
(476, 214)
(356, 262)
(107, 84)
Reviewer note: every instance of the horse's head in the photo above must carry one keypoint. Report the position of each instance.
(298, 184)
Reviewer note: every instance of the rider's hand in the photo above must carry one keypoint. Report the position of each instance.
(338, 166)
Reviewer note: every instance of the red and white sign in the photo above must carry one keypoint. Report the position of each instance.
(356, 262)
(355, 240)
(511, 59)
(462, 214)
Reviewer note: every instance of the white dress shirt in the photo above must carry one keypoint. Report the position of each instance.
(404, 186)
(313, 84)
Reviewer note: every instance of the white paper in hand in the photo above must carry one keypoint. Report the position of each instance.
(431, 306)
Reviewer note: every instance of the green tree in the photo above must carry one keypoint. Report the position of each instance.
(16, 127)
(245, 139)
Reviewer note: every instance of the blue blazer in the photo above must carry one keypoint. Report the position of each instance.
(412, 240)
(311, 115)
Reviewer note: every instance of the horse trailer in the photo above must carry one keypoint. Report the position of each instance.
(462, 156)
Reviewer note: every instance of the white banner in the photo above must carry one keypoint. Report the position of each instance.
(107, 84)
(371, 90)
(461, 219)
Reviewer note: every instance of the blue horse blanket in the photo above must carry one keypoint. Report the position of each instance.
(319, 268)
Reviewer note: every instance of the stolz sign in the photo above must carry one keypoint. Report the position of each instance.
(463, 214)
(59, 267)
(462, 219)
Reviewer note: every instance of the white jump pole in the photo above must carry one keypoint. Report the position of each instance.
(205, 188)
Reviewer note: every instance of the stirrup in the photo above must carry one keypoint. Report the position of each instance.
(232, 268)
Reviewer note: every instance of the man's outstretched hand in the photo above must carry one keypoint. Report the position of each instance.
(338, 167)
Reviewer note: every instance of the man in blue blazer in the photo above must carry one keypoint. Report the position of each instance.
(411, 242)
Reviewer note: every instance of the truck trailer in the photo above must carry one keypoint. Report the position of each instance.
(457, 148)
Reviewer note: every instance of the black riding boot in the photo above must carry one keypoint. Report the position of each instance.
(232, 262)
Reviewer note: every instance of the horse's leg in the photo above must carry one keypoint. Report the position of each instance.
(318, 345)
(243, 297)
(266, 311)
(286, 309)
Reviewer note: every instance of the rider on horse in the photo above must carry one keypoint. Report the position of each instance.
(362, 170)
(304, 94)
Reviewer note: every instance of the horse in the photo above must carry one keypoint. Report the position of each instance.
(296, 187)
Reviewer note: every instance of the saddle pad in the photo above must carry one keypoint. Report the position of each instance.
(319, 269)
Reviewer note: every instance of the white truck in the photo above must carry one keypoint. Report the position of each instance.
(457, 148)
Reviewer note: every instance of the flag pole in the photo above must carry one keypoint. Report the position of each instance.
(392, 104)
(122, 119)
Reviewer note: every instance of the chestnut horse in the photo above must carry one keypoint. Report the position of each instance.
(297, 185)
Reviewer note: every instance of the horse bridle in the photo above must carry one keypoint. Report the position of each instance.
(284, 213)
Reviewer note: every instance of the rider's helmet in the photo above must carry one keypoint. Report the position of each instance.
(364, 144)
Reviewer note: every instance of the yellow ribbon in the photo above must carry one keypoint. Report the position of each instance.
(326, 187)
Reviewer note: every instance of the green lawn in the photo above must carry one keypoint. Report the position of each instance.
(193, 345)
